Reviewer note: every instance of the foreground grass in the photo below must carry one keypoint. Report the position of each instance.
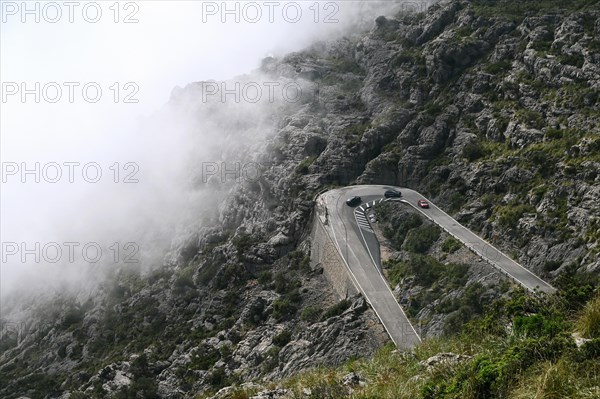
(588, 323)
(523, 348)
(389, 374)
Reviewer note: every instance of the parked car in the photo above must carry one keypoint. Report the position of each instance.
(422, 203)
(353, 201)
(392, 194)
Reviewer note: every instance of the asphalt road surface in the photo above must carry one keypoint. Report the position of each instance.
(478, 245)
(350, 230)
(350, 239)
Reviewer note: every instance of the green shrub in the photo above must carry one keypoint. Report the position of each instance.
(310, 314)
(146, 387)
(451, 245)
(226, 351)
(299, 260)
(542, 45)
(231, 274)
(536, 325)
(420, 239)
(230, 303)
(408, 56)
(490, 375)
(508, 216)
(551, 265)
(397, 271)
(204, 358)
(473, 151)
(498, 67)
(591, 349)
(355, 132)
(40, 385)
(463, 32)
(400, 227)
(346, 65)
(464, 308)
(456, 275)
(281, 283)
(282, 338)
(554, 134)
(383, 210)
(218, 378)
(336, 309)
(545, 162)
(243, 241)
(271, 359)
(294, 294)
(185, 280)
(432, 109)
(283, 309)
(456, 201)
(532, 118)
(425, 269)
(576, 60)
(265, 277)
(303, 166)
(73, 316)
(208, 272)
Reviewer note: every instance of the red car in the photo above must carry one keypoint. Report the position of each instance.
(422, 203)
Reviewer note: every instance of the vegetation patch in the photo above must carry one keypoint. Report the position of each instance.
(311, 314)
(517, 9)
(336, 309)
(302, 168)
(588, 322)
(426, 270)
(473, 151)
(498, 67)
(509, 215)
(520, 347)
(282, 338)
(400, 227)
(420, 239)
(451, 245)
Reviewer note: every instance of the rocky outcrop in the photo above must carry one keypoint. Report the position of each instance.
(444, 359)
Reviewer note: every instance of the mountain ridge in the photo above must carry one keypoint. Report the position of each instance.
(491, 113)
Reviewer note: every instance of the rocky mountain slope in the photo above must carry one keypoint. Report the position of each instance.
(491, 113)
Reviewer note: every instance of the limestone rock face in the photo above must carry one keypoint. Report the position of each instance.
(495, 121)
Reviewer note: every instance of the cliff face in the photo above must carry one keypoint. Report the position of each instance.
(494, 118)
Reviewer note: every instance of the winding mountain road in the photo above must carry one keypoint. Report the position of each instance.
(477, 244)
(357, 244)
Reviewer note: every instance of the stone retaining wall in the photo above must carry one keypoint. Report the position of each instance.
(325, 254)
